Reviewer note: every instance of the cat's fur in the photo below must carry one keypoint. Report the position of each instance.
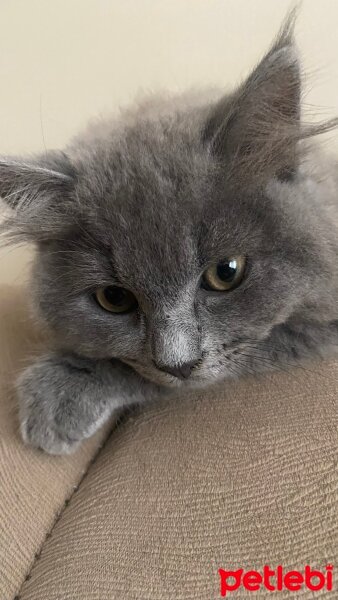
(148, 202)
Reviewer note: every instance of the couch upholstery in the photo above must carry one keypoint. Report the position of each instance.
(154, 505)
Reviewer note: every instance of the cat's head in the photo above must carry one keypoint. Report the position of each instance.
(175, 236)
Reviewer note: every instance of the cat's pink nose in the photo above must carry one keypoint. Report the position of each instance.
(182, 371)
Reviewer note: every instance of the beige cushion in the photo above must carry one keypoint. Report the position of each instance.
(34, 487)
(236, 477)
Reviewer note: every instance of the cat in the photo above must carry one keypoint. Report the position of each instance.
(190, 240)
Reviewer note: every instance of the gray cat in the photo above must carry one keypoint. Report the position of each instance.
(193, 240)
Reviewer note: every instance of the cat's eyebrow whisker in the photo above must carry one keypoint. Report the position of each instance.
(73, 291)
(67, 252)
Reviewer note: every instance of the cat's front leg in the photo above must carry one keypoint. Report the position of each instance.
(64, 399)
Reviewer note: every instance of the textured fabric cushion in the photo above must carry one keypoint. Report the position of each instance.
(236, 477)
(34, 487)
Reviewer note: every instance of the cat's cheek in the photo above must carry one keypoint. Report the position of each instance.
(83, 327)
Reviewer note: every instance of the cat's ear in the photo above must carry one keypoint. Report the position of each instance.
(258, 127)
(38, 191)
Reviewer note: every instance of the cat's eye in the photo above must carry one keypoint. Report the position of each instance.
(115, 299)
(225, 275)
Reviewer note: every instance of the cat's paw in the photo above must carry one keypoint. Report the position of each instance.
(40, 424)
(57, 405)
(45, 436)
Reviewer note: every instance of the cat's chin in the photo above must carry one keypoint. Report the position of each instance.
(161, 378)
(196, 381)
(174, 383)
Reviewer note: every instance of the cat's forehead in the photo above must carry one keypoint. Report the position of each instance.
(150, 156)
(151, 199)
(154, 173)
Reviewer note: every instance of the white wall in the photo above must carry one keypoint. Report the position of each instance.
(63, 61)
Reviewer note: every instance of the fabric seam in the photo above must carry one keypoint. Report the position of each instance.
(66, 502)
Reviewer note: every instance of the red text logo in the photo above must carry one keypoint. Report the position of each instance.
(276, 579)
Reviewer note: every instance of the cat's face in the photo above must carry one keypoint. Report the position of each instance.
(178, 239)
(147, 243)
(162, 257)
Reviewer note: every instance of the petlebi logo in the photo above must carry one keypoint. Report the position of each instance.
(276, 579)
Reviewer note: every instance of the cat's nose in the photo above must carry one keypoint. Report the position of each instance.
(182, 371)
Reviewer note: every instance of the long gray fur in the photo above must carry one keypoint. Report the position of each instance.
(147, 202)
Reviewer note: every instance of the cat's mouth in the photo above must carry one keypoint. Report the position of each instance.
(160, 377)
(201, 375)
(227, 360)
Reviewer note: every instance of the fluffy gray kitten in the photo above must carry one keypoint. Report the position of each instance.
(192, 240)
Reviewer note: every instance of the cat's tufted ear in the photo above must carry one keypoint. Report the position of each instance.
(258, 127)
(38, 191)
